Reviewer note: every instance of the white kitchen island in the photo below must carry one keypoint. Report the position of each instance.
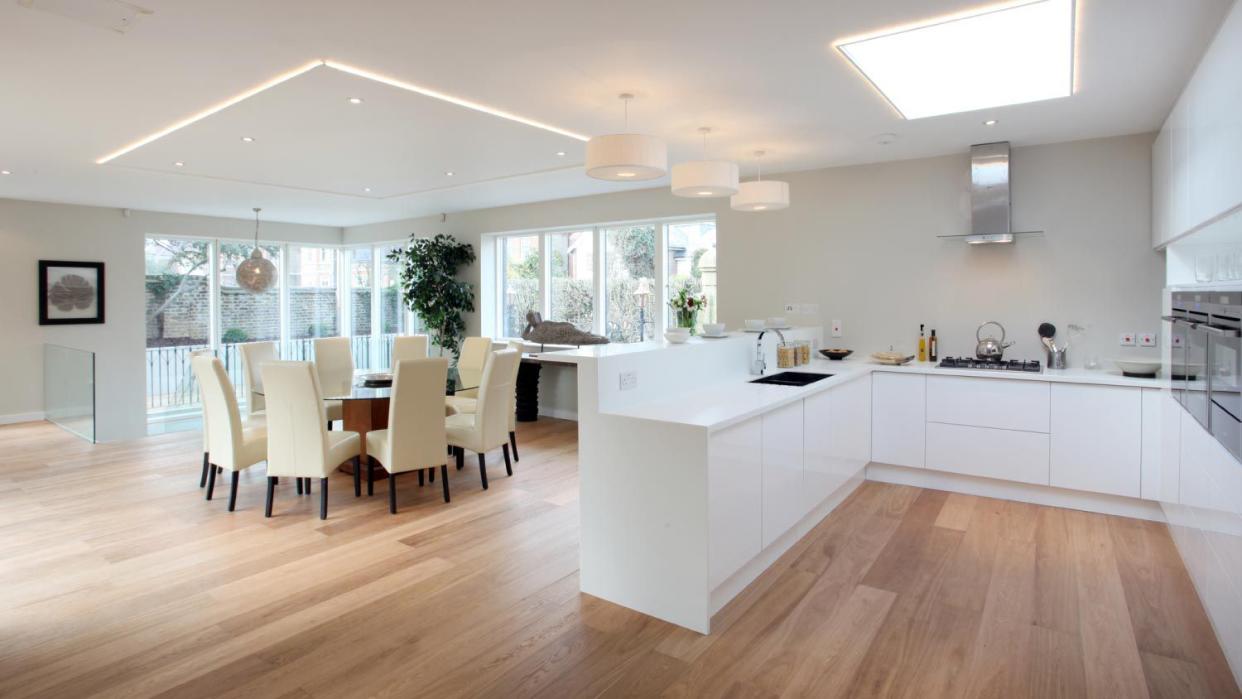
(694, 481)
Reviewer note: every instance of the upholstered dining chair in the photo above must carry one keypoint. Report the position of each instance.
(409, 347)
(463, 404)
(299, 443)
(471, 362)
(253, 356)
(415, 439)
(486, 428)
(334, 362)
(232, 446)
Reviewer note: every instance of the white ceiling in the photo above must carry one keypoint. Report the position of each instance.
(73, 93)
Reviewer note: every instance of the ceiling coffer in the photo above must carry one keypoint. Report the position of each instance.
(989, 196)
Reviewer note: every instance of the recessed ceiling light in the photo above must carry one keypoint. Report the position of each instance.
(449, 173)
(248, 139)
(990, 122)
(560, 153)
(366, 189)
(355, 100)
(178, 164)
(6, 172)
(885, 139)
(1009, 54)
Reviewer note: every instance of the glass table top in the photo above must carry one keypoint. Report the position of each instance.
(354, 388)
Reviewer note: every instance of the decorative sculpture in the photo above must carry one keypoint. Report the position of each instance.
(552, 332)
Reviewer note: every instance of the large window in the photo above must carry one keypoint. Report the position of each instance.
(612, 279)
(519, 282)
(313, 301)
(178, 291)
(361, 286)
(572, 272)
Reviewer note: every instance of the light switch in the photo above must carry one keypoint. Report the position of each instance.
(628, 380)
(1147, 339)
(1127, 339)
(837, 328)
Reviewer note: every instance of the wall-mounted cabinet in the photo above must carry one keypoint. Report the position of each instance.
(1197, 156)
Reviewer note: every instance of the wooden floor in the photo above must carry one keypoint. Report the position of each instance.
(117, 579)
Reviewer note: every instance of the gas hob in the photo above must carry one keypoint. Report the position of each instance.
(1031, 366)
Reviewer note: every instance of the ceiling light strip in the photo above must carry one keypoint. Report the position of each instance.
(212, 110)
(345, 68)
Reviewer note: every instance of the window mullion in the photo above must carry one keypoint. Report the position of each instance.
(661, 280)
(213, 302)
(597, 263)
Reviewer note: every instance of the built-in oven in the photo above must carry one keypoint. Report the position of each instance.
(1224, 329)
(1189, 353)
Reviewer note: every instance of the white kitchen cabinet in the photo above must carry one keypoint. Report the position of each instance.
(1161, 446)
(783, 504)
(1161, 189)
(1096, 438)
(836, 439)
(991, 453)
(988, 402)
(899, 418)
(735, 498)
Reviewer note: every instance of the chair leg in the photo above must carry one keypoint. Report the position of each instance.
(444, 479)
(392, 492)
(483, 469)
(370, 476)
(357, 477)
(329, 425)
(233, 491)
(508, 464)
(461, 457)
(421, 476)
(202, 481)
(211, 481)
(431, 475)
(307, 486)
(513, 443)
(299, 480)
(271, 492)
(323, 498)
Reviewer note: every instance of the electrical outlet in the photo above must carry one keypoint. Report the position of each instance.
(1127, 339)
(791, 308)
(1147, 339)
(628, 380)
(837, 328)
(1177, 341)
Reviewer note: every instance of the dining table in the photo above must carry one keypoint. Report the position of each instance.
(364, 398)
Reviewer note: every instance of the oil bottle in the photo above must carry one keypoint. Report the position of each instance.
(922, 345)
(932, 351)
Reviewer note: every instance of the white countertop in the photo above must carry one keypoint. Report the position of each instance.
(731, 401)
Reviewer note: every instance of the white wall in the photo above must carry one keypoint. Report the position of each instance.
(861, 243)
(33, 231)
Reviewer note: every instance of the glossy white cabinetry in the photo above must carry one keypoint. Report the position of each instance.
(999, 403)
(899, 418)
(991, 453)
(1097, 439)
(1197, 156)
(836, 439)
(783, 504)
(1161, 448)
(735, 509)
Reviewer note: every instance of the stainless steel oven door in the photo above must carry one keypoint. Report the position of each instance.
(1225, 384)
(1176, 371)
(1195, 385)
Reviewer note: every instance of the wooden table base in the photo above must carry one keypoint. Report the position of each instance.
(362, 416)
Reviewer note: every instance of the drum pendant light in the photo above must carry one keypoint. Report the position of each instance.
(256, 273)
(626, 157)
(705, 178)
(760, 194)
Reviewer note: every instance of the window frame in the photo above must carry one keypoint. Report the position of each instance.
(492, 278)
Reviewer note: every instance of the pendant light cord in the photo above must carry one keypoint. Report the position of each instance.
(256, 228)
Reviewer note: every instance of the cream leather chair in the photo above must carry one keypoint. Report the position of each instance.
(461, 404)
(409, 347)
(253, 356)
(298, 441)
(471, 362)
(415, 439)
(334, 361)
(486, 428)
(232, 447)
(202, 481)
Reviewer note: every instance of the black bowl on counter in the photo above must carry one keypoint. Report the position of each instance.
(836, 353)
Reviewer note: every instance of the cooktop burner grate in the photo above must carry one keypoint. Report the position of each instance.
(990, 364)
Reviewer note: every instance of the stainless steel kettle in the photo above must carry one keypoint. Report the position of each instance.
(989, 347)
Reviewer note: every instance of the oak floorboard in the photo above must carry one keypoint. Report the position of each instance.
(118, 579)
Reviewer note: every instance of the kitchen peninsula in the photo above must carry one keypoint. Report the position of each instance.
(694, 480)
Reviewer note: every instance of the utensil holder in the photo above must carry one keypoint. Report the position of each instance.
(1056, 359)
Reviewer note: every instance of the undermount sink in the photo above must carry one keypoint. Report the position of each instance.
(791, 378)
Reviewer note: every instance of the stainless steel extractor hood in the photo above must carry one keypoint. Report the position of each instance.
(989, 196)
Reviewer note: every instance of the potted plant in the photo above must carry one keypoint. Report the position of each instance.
(430, 287)
(687, 306)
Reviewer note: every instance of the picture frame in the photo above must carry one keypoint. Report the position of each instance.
(71, 293)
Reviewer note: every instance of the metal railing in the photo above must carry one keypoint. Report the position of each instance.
(170, 382)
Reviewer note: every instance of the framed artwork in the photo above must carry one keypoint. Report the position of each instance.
(70, 293)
